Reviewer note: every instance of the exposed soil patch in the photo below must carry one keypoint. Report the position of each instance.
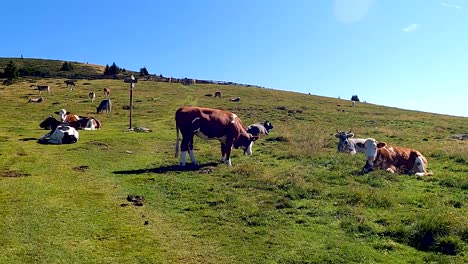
(277, 139)
(101, 145)
(81, 168)
(206, 171)
(137, 200)
(13, 174)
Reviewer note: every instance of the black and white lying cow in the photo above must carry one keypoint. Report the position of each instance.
(208, 123)
(106, 105)
(260, 129)
(60, 133)
(347, 143)
(36, 100)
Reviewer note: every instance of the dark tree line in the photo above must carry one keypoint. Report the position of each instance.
(144, 72)
(112, 70)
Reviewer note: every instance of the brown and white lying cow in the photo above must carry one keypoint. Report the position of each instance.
(393, 159)
(209, 124)
(78, 122)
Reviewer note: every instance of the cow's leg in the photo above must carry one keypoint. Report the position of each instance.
(191, 153)
(223, 152)
(228, 149)
(391, 169)
(184, 146)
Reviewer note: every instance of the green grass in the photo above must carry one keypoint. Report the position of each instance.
(296, 200)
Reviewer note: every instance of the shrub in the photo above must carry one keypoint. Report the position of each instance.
(437, 233)
(66, 66)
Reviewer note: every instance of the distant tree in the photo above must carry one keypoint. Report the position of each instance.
(144, 72)
(112, 70)
(106, 70)
(355, 98)
(66, 66)
(11, 71)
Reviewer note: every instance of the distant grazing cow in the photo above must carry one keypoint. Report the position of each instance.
(42, 88)
(217, 94)
(209, 124)
(106, 92)
(70, 83)
(59, 134)
(393, 159)
(92, 96)
(36, 100)
(347, 143)
(237, 99)
(106, 105)
(260, 129)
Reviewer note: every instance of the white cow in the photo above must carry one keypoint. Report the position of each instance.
(347, 143)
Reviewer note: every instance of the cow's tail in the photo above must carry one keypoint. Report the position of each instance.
(177, 141)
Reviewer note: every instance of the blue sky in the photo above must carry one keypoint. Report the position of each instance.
(410, 54)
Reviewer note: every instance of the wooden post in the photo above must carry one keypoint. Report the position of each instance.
(131, 104)
(132, 82)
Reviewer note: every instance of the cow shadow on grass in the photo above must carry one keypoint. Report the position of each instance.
(27, 139)
(164, 169)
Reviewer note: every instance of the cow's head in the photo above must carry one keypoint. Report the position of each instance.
(371, 147)
(343, 144)
(62, 113)
(49, 123)
(268, 126)
(246, 143)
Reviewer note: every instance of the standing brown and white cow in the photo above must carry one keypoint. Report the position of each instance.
(393, 159)
(209, 124)
(106, 92)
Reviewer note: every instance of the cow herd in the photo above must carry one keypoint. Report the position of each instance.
(227, 128)
(65, 130)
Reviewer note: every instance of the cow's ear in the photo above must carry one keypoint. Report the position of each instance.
(57, 112)
(381, 144)
(359, 144)
(350, 135)
(337, 135)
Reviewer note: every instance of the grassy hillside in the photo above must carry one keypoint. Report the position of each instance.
(295, 200)
(52, 67)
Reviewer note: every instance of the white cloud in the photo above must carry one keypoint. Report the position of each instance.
(411, 28)
(350, 11)
(451, 5)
